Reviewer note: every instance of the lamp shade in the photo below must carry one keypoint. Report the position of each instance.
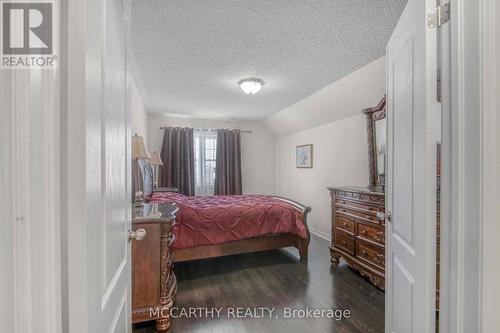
(155, 159)
(139, 150)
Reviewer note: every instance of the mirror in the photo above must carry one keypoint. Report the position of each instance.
(376, 126)
(380, 129)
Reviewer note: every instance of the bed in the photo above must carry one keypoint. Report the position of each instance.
(215, 226)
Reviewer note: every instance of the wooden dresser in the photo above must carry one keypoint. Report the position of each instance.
(358, 236)
(154, 285)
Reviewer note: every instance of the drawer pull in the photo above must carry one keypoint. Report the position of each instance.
(379, 259)
(379, 236)
(138, 234)
(363, 231)
(364, 252)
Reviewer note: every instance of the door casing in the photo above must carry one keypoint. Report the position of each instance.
(470, 181)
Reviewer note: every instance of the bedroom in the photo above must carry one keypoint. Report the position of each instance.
(249, 166)
(192, 114)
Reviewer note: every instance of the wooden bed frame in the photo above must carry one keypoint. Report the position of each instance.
(268, 242)
(263, 243)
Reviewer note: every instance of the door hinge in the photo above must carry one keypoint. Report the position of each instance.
(438, 16)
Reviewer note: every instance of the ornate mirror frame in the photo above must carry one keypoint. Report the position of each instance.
(372, 115)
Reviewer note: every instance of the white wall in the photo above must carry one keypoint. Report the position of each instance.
(257, 148)
(340, 157)
(332, 121)
(139, 116)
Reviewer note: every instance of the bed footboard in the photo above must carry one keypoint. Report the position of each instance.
(268, 242)
(303, 244)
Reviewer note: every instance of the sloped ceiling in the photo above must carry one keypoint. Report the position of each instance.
(191, 54)
(344, 98)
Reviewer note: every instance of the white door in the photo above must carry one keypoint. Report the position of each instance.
(110, 175)
(411, 182)
(99, 132)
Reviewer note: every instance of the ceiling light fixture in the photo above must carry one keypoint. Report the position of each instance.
(251, 86)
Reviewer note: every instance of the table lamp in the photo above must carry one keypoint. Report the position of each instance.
(155, 162)
(139, 152)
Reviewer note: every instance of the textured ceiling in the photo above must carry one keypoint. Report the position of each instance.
(191, 54)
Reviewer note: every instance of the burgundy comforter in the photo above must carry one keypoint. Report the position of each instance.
(224, 218)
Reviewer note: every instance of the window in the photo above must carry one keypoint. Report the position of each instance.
(205, 150)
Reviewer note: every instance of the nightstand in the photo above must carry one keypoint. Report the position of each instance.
(166, 189)
(154, 285)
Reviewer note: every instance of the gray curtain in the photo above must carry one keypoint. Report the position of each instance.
(177, 154)
(228, 163)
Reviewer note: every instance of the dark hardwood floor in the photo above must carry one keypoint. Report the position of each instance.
(275, 279)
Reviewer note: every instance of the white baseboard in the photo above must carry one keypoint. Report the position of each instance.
(320, 234)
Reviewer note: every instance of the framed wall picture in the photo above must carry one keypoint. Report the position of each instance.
(304, 156)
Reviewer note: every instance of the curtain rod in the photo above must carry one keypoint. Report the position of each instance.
(233, 129)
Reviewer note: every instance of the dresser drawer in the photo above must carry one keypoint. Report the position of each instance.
(345, 224)
(371, 233)
(344, 243)
(146, 258)
(364, 216)
(371, 254)
(359, 205)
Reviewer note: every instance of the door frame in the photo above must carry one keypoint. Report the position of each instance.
(470, 182)
(490, 164)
